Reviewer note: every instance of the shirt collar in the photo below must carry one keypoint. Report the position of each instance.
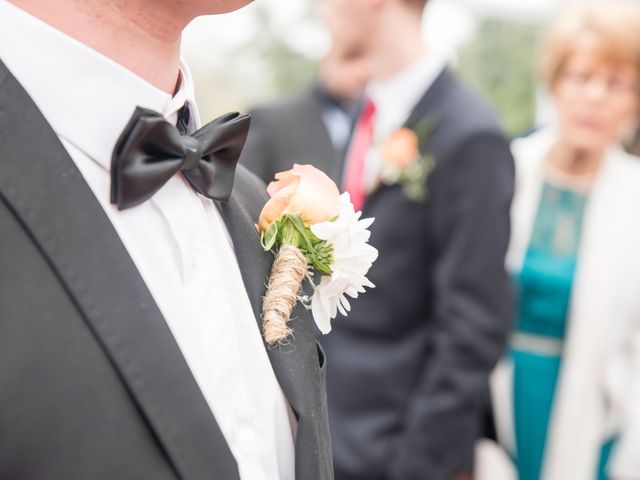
(86, 97)
(396, 97)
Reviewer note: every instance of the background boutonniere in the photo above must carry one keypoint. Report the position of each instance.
(403, 163)
(315, 234)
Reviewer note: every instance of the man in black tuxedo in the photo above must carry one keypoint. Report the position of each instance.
(410, 364)
(130, 294)
(312, 126)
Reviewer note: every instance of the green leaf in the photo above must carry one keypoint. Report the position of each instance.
(425, 128)
(288, 233)
(270, 236)
(304, 233)
(318, 253)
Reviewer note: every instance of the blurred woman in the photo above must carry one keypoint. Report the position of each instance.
(567, 399)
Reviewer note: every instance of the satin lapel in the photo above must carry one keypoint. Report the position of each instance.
(42, 185)
(254, 262)
(296, 365)
(292, 362)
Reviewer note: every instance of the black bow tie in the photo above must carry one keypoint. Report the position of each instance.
(151, 150)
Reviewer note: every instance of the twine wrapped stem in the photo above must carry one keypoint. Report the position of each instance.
(287, 274)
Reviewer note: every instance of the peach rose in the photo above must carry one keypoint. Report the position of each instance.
(305, 190)
(401, 148)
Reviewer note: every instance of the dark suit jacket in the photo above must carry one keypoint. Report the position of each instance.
(410, 363)
(290, 131)
(92, 383)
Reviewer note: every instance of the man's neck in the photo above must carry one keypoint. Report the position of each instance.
(398, 46)
(146, 41)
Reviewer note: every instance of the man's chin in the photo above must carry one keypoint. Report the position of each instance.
(216, 7)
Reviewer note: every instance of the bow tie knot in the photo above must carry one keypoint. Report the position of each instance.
(151, 150)
(192, 152)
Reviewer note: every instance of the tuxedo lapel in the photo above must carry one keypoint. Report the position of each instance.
(293, 362)
(298, 365)
(432, 101)
(42, 185)
(254, 262)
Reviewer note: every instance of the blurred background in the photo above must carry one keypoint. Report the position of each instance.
(272, 47)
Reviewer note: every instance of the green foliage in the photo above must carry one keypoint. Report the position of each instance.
(291, 230)
(290, 69)
(500, 64)
(413, 177)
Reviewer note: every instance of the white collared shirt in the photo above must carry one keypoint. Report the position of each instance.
(396, 97)
(338, 123)
(177, 240)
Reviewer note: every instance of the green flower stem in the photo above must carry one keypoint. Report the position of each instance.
(291, 230)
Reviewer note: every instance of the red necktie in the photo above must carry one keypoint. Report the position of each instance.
(354, 170)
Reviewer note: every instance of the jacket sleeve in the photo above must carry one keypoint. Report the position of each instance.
(472, 309)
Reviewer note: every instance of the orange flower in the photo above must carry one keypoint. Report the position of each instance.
(305, 190)
(401, 148)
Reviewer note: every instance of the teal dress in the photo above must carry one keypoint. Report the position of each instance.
(544, 287)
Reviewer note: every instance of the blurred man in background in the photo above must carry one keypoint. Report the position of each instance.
(311, 127)
(411, 362)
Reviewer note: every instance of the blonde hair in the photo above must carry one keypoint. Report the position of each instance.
(615, 22)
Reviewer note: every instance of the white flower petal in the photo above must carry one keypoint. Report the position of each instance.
(353, 258)
(344, 303)
(320, 311)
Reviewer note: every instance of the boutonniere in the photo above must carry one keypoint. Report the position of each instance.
(316, 235)
(402, 162)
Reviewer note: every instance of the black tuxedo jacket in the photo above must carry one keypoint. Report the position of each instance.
(92, 383)
(290, 131)
(410, 363)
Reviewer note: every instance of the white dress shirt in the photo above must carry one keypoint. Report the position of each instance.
(396, 97)
(177, 240)
(338, 123)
